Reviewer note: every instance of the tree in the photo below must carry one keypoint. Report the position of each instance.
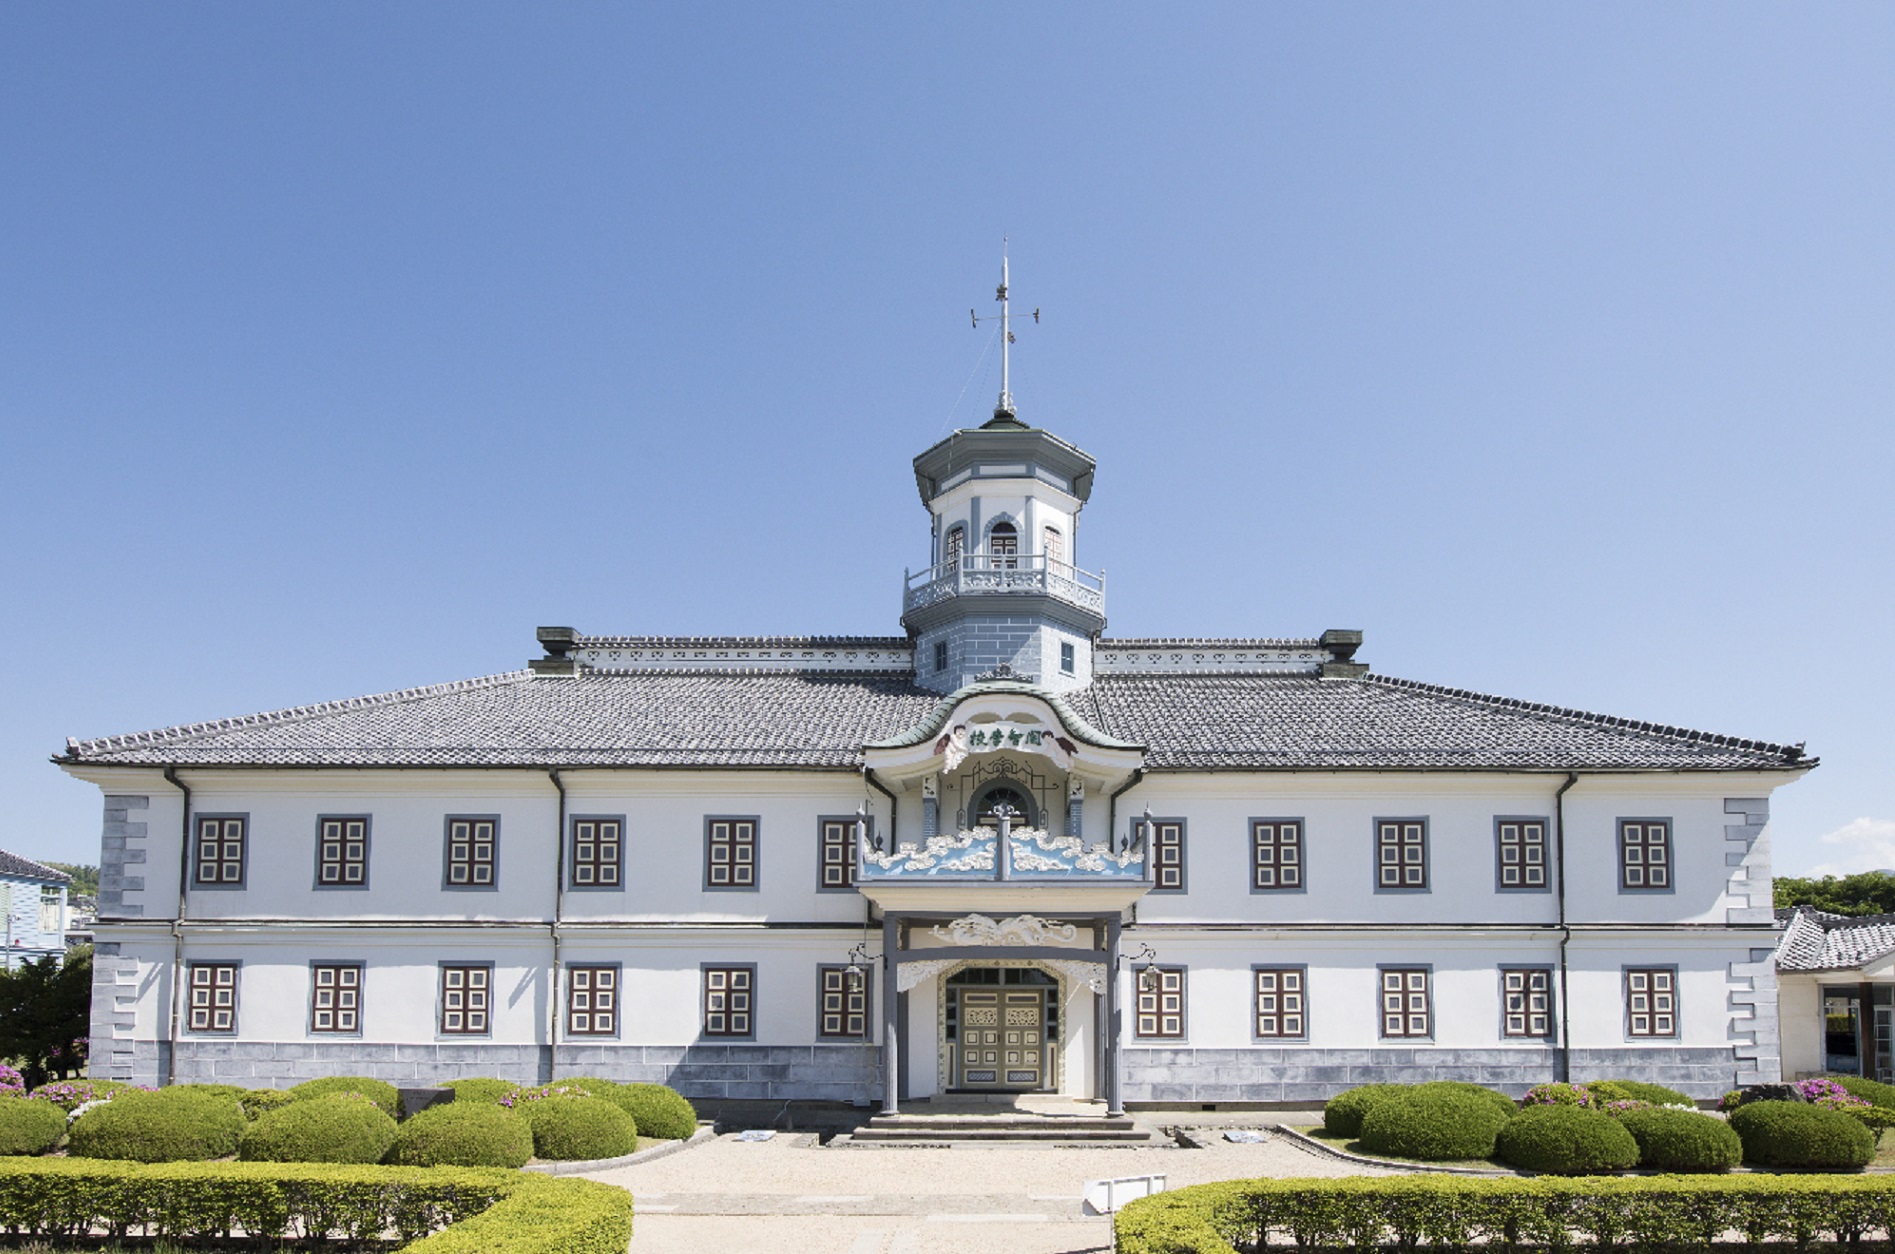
(45, 1015)
(85, 879)
(1871, 892)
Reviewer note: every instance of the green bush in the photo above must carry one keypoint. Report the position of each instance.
(258, 1102)
(592, 1084)
(480, 1089)
(463, 1134)
(1565, 1141)
(658, 1111)
(1636, 1091)
(568, 1128)
(202, 1205)
(29, 1126)
(1433, 1123)
(1547, 1212)
(1342, 1115)
(234, 1092)
(1872, 1091)
(381, 1092)
(1493, 1097)
(1794, 1134)
(340, 1128)
(1682, 1140)
(177, 1124)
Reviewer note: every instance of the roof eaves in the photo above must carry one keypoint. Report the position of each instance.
(932, 724)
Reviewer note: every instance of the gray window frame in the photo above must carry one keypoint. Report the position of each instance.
(361, 1001)
(704, 1001)
(1279, 968)
(756, 853)
(1546, 852)
(1183, 972)
(1184, 853)
(1625, 996)
(235, 965)
(368, 852)
(1381, 1014)
(1552, 1000)
(1671, 855)
(854, 854)
(1427, 854)
(441, 1029)
(197, 846)
(618, 1003)
(940, 656)
(1302, 855)
(867, 1034)
(572, 853)
(447, 852)
(1068, 658)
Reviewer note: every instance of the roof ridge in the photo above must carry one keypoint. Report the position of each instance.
(76, 748)
(1789, 753)
(753, 642)
(1195, 642)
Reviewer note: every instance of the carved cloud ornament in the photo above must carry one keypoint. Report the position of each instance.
(1023, 929)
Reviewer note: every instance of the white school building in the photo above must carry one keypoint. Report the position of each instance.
(999, 851)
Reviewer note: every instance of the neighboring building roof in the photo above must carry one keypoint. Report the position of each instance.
(14, 867)
(1815, 940)
(728, 716)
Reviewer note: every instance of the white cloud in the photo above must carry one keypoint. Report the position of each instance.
(1862, 845)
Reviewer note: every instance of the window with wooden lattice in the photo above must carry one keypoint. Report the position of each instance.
(335, 997)
(1282, 1006)
(1406, 1002)
(1160, 1002)
(221, 842)
(592, 1000)
(213, 996)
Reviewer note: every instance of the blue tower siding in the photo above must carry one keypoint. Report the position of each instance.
(979, 644)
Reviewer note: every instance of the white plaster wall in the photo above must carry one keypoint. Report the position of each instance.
(1031, 504)
(1800, 1005)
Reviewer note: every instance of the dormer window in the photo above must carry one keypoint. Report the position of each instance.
(997, 796)
(1003, 545)
(1054, 546)
(951, 549)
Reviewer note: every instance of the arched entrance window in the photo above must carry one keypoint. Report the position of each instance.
(951, 550)
(1025, 812)
(1003, 545)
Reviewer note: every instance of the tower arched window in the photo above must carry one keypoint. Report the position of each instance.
(952, 547)
(1003, 545)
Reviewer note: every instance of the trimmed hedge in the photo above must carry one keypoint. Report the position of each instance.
(29, 1126)
(234, 1092)
(1342, 1115)
(1873, 1092)
(1432, 1124)
(258, 1102)
(1565, 1141)
(570, 1128)
(1636, 1091)
(70, 1095)
(381, 1092)
(659, 1111)
(1795, 1134)
(1682, 1140)
(1555, 1212)
(463, 1134)
(484, 1211)
(480, 1089)
(178, 1124)
(342, 1128)
(1493, 1097)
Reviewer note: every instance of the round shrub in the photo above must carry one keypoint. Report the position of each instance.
(28, 1126)
(559, 1088)
(1493, 1097)
(1759, 1093)
(480, 1089)
(1557, 1095)
(234, 1092)
(567, 1128)
(1682, 1140)
(658, 1111)
(171, 1125)
(340, 1128)
(1342, 1116)
(258, 1102)
(1873, 1092)
(1566, 1141)
(1433, 1126)
(70, 1095)
(463, 1134)
(1637, 1091)
(1796, 1134)
(381, 1092)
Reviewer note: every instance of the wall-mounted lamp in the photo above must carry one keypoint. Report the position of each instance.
(857, 974)
(1145, 966)
(862, 829)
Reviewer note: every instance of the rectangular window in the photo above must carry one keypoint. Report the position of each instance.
(940, 655)
(1526, 1002)
(473, 851)
(1065, 658)
(835, 841)
(843, 1006)
(1644, 854)
(730, 853)
(1054, 546)
(598, 847)
(1167, 855)
(1651, 1001)
(1281, 1009)
(335, 997)
(1520, 846)
(342, 851)
(1160, 1002)
(466, 999)
(213, 996)
(1405, 1002)
(951, 550)
(1401, 854)
(220, 850)
(1276, 854)
(592, 1001)
(49, 921)
(727, 1000)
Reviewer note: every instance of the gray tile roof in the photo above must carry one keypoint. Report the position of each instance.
(1815, 940)
(13, 866)
(821, 719)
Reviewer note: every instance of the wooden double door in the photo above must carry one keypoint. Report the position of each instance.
(1004, 1033)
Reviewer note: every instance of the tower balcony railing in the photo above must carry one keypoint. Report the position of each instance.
(982, 574)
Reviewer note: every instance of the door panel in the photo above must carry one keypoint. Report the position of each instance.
(1002, 1039)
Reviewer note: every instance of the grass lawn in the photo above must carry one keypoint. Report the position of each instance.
(1350, 1145)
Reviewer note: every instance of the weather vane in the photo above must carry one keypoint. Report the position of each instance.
(1006, 334)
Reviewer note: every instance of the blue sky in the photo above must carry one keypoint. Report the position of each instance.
(1553, 346)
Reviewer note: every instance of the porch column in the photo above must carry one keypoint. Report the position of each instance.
(891, 998)
(1114, 1105)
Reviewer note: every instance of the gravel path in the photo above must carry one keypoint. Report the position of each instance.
(789, 1197)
